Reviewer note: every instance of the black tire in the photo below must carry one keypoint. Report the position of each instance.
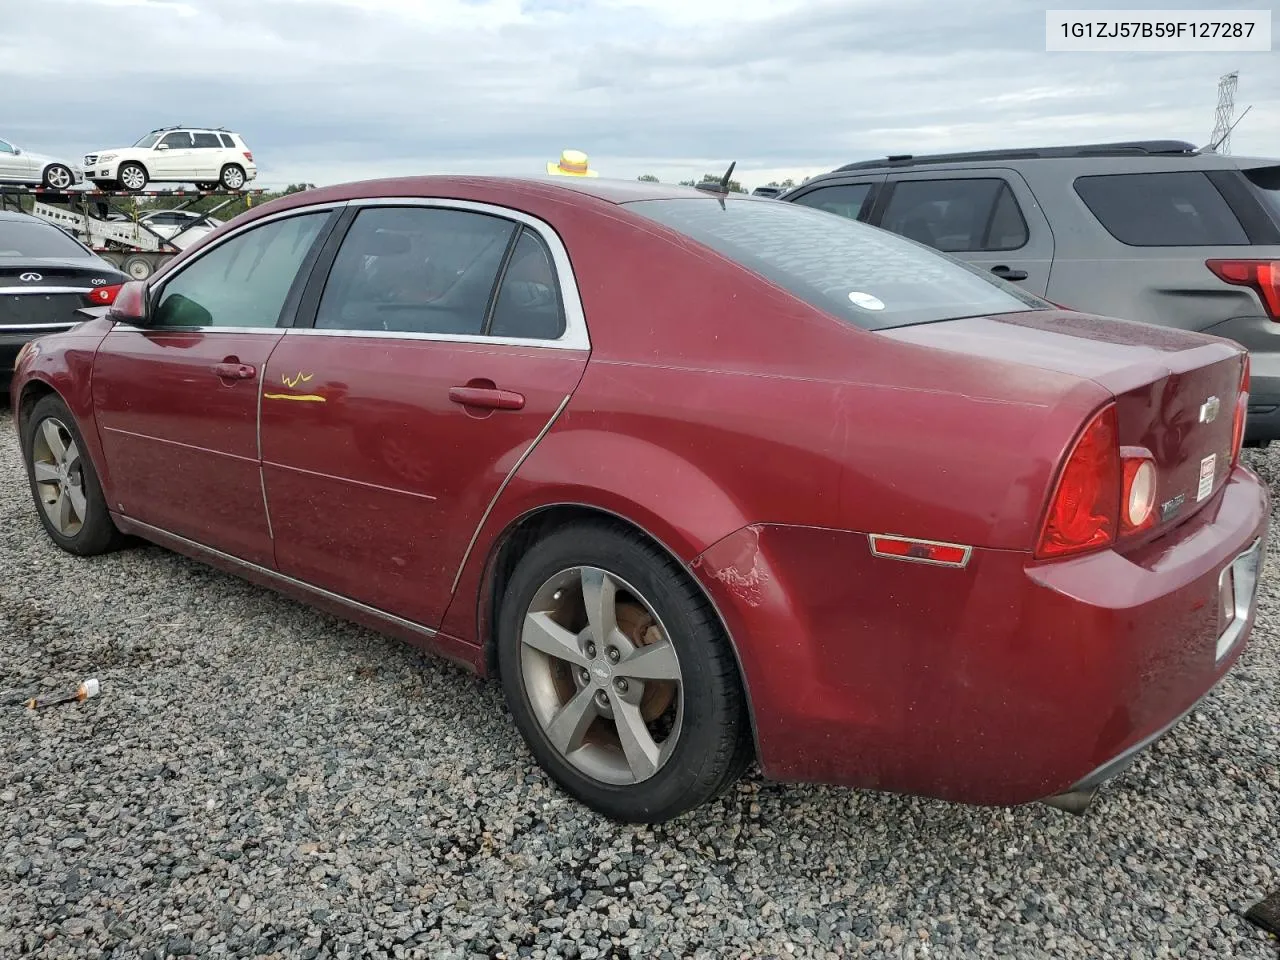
(233, 177)
(58, 176)
(131, 170)
(715, 744)
(97, 532)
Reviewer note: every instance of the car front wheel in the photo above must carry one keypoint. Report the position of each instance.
(619, 675)
(65, 487)
(133, 176)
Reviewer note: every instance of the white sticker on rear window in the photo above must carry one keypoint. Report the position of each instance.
(1207, 470)
(865, 300)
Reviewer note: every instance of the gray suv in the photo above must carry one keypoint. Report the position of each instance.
(1156, 231)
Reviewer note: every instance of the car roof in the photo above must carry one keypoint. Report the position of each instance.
(15, 215)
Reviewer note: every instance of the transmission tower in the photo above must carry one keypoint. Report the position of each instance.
(1226, 111)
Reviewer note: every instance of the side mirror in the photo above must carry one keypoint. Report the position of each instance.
(17, 151)
(130, 305)
(162, 146)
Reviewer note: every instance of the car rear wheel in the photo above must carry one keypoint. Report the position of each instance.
(233, 177)
(619, 675)
(65, 486)
(58, 176)
(133, 176)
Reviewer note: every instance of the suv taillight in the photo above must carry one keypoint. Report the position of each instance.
(1262, 275)
(248, 155)
(1242, 411)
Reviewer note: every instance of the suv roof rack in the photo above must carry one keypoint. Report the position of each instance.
(1120, 149)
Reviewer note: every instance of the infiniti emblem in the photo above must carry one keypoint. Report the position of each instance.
(1209, 410)
(31, 278)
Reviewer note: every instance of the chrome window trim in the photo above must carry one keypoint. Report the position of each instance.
(274, 331)
(575, 336)
(5, 291)
(24, 327)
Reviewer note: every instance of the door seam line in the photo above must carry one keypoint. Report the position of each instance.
(484, 517)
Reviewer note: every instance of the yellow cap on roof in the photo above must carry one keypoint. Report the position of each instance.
(573, 163)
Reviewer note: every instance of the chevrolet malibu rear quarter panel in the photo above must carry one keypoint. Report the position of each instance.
(1003, 682)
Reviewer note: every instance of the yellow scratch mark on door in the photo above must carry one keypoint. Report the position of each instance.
(312, 397)
(294, 381)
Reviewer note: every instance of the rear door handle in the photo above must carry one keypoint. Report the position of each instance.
(229, 370)
(490, 398)
(1008, 273)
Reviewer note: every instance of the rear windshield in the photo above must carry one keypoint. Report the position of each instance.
(1267, 182)
(862, 274)
(23, 238)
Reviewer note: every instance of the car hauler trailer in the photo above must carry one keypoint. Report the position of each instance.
(107, 221)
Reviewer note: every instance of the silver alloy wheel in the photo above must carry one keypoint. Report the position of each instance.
(59, 476)
(233, 178)
(133, 176)
(602, 675)
(58, 177)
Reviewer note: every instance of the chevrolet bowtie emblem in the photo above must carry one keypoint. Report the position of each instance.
(1209, 410)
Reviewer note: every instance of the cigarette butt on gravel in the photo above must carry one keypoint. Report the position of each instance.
(90, 688)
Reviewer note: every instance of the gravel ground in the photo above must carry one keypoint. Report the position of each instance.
(258, 779)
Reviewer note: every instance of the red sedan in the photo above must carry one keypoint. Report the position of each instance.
(701, 479)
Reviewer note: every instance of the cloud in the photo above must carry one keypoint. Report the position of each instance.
(325, 90)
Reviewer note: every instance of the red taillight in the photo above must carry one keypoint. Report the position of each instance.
(1084, 509)
(1242, 410)
(1262, 275)
(248, 155)
(105, 296)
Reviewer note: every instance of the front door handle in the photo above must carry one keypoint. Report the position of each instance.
(231, 370)
(490, 398)
(1008, 273)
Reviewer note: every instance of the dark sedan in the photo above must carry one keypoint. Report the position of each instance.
(45, 277)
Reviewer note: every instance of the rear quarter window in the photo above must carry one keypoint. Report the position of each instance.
(1181, 209)
(1266, 181)
(861, 274)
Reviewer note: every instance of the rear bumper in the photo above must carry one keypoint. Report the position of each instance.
(1000, 683)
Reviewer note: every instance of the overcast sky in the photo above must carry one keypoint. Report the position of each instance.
(331, 90)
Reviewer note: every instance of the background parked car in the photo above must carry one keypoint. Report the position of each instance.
(168, 223)
(46, 275)
(1155, 231)
(36, 169)
(207, 157)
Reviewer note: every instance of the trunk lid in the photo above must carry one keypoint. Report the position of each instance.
(1175, 391)
(57, 272)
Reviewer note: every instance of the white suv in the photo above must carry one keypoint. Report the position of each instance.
(206, 157)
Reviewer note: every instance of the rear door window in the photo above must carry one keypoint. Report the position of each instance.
(957, 215)
(1179, 209)
(845, 199)
(205, 141)
(858, 273)
(426, 270)
(528, 303)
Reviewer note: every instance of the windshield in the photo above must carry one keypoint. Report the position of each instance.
(22, 238)
(148, 141)
(859, 273)
(1267, 182)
